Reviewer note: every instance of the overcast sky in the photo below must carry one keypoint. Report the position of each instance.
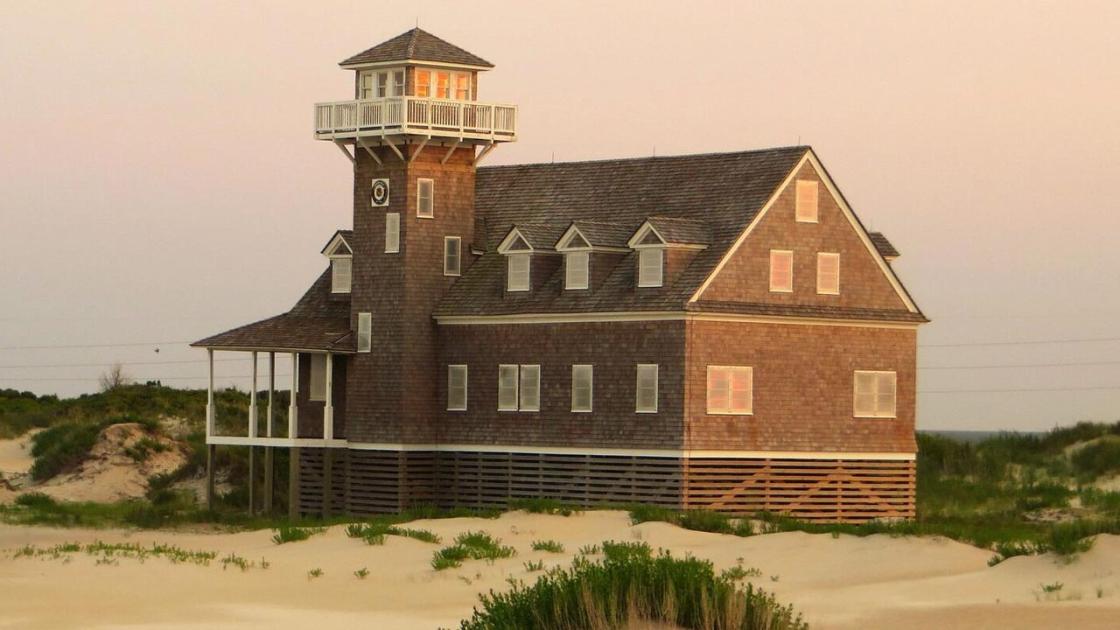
(159, 181)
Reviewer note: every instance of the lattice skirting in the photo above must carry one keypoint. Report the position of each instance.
(373, 482)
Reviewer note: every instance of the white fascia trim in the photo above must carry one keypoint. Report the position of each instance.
(561, 243)
(628, 452)
(503, 247)
(640, 234)
(565, 318)
(413, 62)
(271, 349)
(839, 199)
(329, 250)
(229, 440)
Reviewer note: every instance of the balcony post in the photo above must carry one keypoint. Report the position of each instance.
(293, 409)
(253, 400)
(328, 407)
(210, 394)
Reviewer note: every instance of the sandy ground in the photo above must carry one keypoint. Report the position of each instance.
(841, 582)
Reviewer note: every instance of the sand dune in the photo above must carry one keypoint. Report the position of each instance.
(843, 582)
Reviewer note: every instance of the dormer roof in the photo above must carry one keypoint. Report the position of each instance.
(416, 46)
(597, 234)
(539, 237)
(339, 245)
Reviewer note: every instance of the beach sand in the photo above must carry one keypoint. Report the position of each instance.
(836, 582)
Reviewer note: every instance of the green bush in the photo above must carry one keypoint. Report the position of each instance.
(1097, 459)
(471, 545)
(62, 448)
(550, 546)
(631, 585)
(288, 533)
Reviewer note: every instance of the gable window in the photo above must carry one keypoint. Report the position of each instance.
(456, 388)
(519, 387)
(650, 266)
(425, 204)
(318, 381)
(781, 271)
(340, 274)
(365, 332)
(646, 393)
(517, 272)
(875, 393)
(806, 205)
(393, 233)
(828, 274)
(575, 270)
(581, 388)
(452, 253)
(730, 390)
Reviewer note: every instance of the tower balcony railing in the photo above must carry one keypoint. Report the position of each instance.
(464, 120)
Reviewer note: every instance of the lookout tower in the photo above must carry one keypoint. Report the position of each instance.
(415, 130)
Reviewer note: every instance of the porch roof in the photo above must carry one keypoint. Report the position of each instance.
(286, 333)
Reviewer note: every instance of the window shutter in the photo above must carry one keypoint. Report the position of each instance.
(365, 332)
(530, 388)
(807, 198)
(318, 389)
(392, 233)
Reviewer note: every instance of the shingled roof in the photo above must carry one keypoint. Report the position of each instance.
(319, 321)
(416, 45)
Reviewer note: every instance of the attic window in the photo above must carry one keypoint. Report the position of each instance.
(807, 195)
(517, 272)
(781, 271)
(651, 262)
(828, 273)
(340, 274)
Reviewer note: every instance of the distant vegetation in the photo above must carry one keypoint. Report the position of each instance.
(631, 586)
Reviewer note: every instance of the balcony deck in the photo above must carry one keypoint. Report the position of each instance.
(410, 115)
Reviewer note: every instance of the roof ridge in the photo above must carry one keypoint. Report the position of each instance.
(653, 158)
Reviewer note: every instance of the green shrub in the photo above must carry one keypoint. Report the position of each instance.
(36, 501)
(143, 448)
(629, 585)
(550, 546)
(471, 545)
(62, 448)
(1097, 459)
(287, 533)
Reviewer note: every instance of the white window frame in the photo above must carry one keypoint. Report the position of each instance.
(646, 367)
(342, 282)
(807, 202)
(821, 288)
(516, 381)
(428, 211)
(317, 378)
(532, 372)
(577, 277)
(730, 409)
(457, 258)
(392, 233)
(365, 332)
(781, 253)
(645, 269)
(522, 277)
(452, 369)
(877, 382)
(589, 370)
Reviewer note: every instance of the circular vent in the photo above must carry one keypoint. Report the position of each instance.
(380, 194)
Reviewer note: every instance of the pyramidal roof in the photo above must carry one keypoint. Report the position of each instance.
(416, 45)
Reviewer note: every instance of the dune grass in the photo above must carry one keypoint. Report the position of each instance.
(631, 584)
(551, 546)
(375, 533)
(288, 534)
(471, 546)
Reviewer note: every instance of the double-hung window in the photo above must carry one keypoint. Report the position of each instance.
(519, 387)
(806, 204)
(365, 332)
(452, 254)
(730, 390)
(425, 202)
(575, 270)
(517, 272)
(582, 376)
(340, 274)
(875, 394)
(646, 392)
(828, 274)
(781, 271)
(456, 388)
(651, 262)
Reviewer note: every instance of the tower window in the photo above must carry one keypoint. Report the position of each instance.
(575, 270)
(651, 262)
(423, 83)
(365, 332)
(517, 272)
(781, 271)
(452, 252)
(393, 233)
(340, 274)
(806, 205)
(425, 204)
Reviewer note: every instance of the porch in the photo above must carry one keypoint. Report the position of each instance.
(431, 117)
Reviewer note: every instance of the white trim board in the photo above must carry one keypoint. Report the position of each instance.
(811, 158)
(638, 316)
(628, 452)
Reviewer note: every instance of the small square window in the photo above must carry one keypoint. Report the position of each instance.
(806, 204)
(576, 270)
(425, 202)
(875, 394)
(781, 271)
(452, 254)
(650, 266)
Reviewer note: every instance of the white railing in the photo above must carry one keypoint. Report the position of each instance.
(409, 114)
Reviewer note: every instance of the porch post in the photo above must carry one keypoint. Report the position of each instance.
(210, 394)
(253, 400)
(268, 471)
(328, 407)
(293, 411)
(210, 476)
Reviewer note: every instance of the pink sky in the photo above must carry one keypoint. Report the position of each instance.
(160, 182)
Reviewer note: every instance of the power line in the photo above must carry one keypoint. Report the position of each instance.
(1016, 365)
(1036, 342)
(144, 378)
(1007, 391)
(110, 363)
(97, 345)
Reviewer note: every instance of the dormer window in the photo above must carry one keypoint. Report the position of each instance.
(517, 272)
(575, 270)
(651, 264)
(340, 274)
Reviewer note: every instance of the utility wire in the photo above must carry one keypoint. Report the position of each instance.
(1033, 389)
(1015, 365)
(110, 363)
(1036, 342)
(97, 345)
